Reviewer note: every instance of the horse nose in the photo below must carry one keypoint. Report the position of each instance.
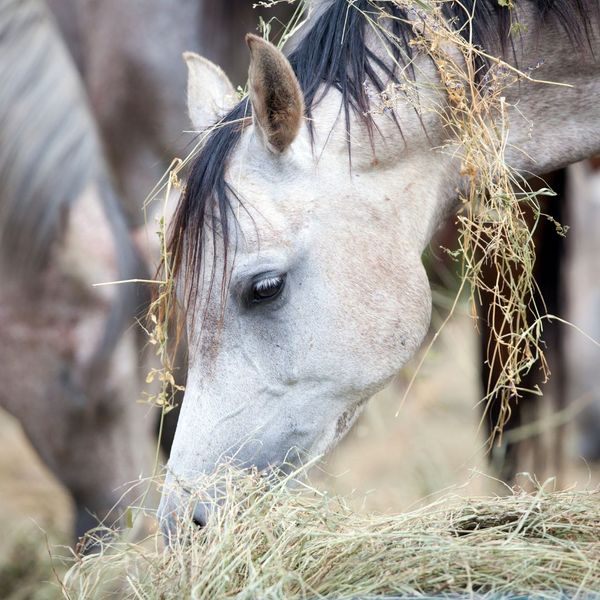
(175, 514)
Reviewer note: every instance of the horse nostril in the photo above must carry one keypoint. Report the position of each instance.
(198, 523)
(200, 515)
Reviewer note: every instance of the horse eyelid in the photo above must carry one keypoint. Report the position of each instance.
(267, 282)
(261, 283)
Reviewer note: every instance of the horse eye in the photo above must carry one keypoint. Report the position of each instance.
(267, 289)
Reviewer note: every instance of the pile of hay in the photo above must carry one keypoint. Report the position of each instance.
(269, 541)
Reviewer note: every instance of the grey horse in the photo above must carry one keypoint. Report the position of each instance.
(312, 229)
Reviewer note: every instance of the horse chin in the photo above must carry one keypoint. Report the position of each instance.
(333, 435)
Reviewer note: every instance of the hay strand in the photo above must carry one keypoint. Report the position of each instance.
(270, 541)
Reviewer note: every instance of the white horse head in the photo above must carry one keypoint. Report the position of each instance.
(301, 232)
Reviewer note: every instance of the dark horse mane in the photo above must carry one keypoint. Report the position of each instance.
(332, 54)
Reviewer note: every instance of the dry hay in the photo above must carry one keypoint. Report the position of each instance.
(269, 541)
(499, 208)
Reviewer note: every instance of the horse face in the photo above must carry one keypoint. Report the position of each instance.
(323, 298)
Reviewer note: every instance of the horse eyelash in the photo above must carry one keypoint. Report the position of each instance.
(267, 282)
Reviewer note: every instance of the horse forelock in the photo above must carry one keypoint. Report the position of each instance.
(333, 53)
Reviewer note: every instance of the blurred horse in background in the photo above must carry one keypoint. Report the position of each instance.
(69, 361)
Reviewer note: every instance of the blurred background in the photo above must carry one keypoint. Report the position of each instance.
(115, 68)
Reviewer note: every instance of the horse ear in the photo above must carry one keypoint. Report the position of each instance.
(210, 93)
(275, 93)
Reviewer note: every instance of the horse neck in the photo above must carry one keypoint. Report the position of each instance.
(58, 213)
(49, 147)
(552, 126)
